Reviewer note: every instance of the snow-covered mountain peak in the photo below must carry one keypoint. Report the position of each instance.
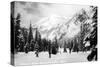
(57, 26)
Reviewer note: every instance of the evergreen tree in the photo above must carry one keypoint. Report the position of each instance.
(70, 46)
(93, 35)
(76, 44)
(49, 48)
(82, 17)
(17, 33)
(30, 38)
(56, 43)
(38, 42)
(25, 37)
(65, 46)
(37, 35)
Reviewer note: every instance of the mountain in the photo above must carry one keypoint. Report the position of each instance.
(58, 26)
(61, 27)
(70, 30)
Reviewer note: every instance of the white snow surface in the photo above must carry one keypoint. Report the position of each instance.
(30, 58)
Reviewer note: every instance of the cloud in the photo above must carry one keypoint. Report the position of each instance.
(35, 11)
(22, 2)
(33, 8)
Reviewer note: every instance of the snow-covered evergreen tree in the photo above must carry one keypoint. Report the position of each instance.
(17, 32)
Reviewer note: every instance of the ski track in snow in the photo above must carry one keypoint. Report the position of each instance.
(31, 59)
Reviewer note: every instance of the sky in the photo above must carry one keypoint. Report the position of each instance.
(33, 12)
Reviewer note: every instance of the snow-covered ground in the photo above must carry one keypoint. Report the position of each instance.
(31, 59)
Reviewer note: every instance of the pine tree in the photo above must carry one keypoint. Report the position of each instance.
(17, 33)
(82, 17)
(65, 46)
(25, 37)
(30, 38)
(93, 36)
(38, 42)
(56, 43)
(37, 36)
